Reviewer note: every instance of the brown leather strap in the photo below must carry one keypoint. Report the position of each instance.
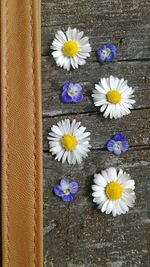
(21, 134)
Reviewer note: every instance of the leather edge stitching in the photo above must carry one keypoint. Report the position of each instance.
(7, 139)
(34, 127)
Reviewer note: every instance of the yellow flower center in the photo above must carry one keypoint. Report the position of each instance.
(113, 191)
(70, 48)
(114, 97)
(69, 142)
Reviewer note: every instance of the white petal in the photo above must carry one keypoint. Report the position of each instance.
(112, 174)
(101, 203)
(100, 102)
(80, 34)
(107, 111)
(109, 207)
(69, 33)
(100, 179)
(118, 208)
(61, 36)
(76, 61)
(80, 130)
(96, 194)
(53, 136)
(75, 128)
(59, 155)
(58, 138)
(116, 82)
(97, 188)
(127, 105)
(103, 107)
(114, 210)
(77, 156)
(112, 113)
(112, 82)
(100, 89)
(55, 150)
(82, 136)
(117, 112)
(74, 34)
(84, 41)
(53, 143)
(81, 61)
(69, 157)
(129, 200)
(98, 95)
(56, 130)
(84, 53)
(120, 172)
(56, 44)
(73, 158)
(105, 175)
(97, 200)
(81, 151)
(57, 53)
(67, 64)
(72, 63)
(64, 157)
(60, 61)
(104, 207)
(105, 84)
(129, 184)
(123, 206)
(122, 178)
(124, 108)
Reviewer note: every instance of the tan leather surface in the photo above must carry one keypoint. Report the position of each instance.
(21, 134)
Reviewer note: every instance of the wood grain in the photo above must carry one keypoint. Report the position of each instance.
(135, 126)
(78, 235)
(89, 75)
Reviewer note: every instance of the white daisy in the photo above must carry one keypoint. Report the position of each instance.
(69, 141)
(113, 192)
(71, 48)
(114, 96)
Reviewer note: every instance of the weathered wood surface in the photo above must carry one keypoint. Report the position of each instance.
(78, 235)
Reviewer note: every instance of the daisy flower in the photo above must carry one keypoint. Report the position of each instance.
(117, 144)
(106, 53)
(114, 97)
(66, 190)
(69, 141)
(71, 93)
(70, 48)
(113, 191)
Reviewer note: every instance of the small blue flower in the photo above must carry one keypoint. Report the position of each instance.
(66, 190)
(106, 53)
(71, 93)
(117, 144)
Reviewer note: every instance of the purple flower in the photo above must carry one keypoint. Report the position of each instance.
(117, 144)
(71, 93)
(66, 190)
(106, 53)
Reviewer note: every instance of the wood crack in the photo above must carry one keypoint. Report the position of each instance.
(46, 114)
(131, 148)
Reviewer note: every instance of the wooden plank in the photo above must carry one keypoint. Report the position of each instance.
(135, 126)
(124, 23)
(88, 75)
(78, 234)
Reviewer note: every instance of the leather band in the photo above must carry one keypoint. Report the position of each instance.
(21, 134)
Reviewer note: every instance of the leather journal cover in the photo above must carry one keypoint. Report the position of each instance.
(21, 134)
